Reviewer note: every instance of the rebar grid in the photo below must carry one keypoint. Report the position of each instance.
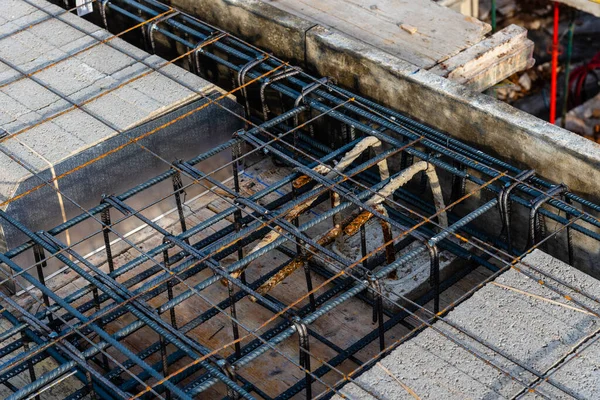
(104, 300)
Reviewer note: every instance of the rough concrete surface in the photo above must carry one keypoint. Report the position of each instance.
(420, 32)
(412, 279)
(257, 21)
(522, 319)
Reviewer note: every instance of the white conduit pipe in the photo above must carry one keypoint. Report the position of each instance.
(330, 173)
(406, 176)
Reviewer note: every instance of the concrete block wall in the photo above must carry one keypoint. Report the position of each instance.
(67, 99)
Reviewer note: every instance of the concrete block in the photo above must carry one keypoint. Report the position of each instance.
(161, 89)
(94, 132)
(172, 71)
(27, 160)
(16, 9)
(45, 60)
(22, 122)
(69, 76)
(78, 45)
(31, 18)
(102, 35)
(98, 88)
(130, 72)
(7, 28)
(7, 74)
(55, 33)
(116, 112)
(524, 319)
(9, 106)
(10, 174)
(105, 59)
(15, 52)
(31, 41)
(31, 94)
(584, 368)
(42, 140)
(139, 99)
(5, 118)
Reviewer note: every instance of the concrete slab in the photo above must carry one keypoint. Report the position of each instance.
(522, 318)
(62, 110)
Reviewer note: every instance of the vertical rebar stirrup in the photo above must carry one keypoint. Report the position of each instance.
(535, 227)
(154, 25)
(241, 78)
(377, 307)
(434, 273)
(177, 191)
(304, 352)
(504, 204)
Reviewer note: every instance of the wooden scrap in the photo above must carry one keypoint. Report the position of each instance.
(409, 28)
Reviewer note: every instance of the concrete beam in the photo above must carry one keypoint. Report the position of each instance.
(435, 35)
(259, 23)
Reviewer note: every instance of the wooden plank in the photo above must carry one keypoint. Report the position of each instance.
(491, 60)
(441, 32)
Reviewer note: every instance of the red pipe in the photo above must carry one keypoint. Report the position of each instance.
(553, 83)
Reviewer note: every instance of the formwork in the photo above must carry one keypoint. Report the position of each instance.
(275, 284)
